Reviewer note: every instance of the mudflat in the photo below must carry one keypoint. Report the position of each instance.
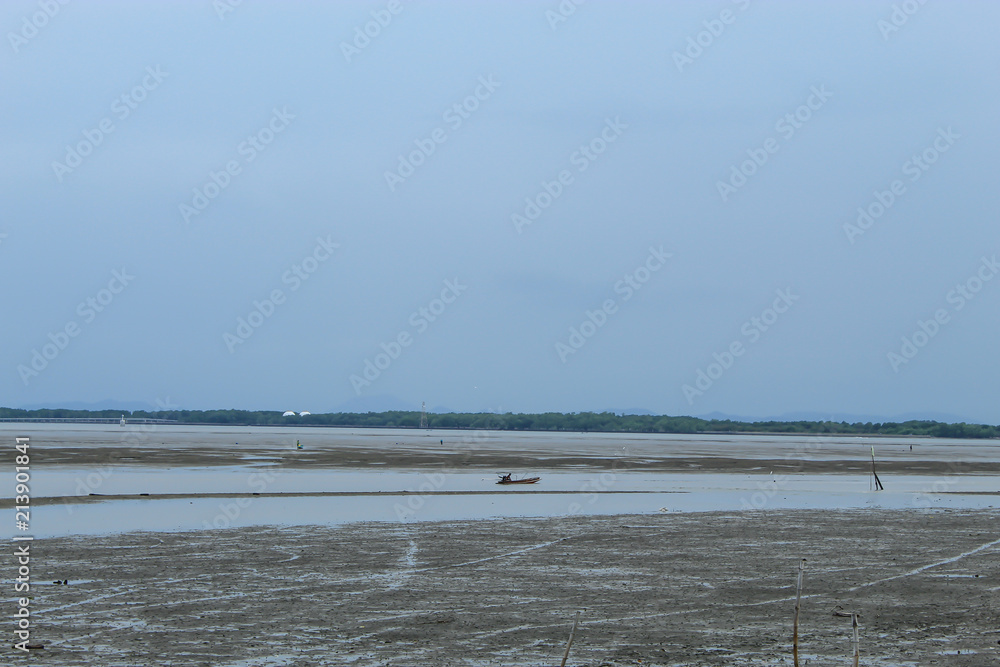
(206, 446)
(667, 589)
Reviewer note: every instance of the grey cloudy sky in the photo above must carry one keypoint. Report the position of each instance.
(523, 206)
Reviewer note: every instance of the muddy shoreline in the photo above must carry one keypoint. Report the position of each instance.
(490, 460)
(7, 503)
(192, 447)
(670, 588)
(708, 589)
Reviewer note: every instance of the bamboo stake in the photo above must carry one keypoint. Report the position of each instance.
(857, 644)
(570, 642)
(795, 623)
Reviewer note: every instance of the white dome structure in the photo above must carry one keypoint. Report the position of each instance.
(303, 414)
(288, 413)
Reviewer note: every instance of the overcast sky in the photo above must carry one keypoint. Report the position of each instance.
(517, 206)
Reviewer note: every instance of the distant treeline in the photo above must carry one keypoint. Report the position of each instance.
(548, 421)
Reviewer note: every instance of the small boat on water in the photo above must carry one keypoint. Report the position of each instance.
(506, 479)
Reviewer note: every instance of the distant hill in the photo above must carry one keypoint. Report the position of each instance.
(813, 416)
(107, 404)
(381, 403)
(385, 403)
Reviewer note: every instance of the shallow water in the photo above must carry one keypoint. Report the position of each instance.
(56, 481)
(441, 496)
(563, 491)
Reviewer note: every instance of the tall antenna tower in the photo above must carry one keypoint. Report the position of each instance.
(423, 414)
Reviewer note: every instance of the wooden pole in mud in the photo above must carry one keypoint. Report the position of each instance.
(857, 645)
(878, 482)
(795, 623)
(570, 642)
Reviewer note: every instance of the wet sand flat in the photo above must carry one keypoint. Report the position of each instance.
(677, 589)
(317, 567)
(205, 446)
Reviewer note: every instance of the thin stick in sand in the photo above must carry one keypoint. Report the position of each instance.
(795, 623)
(857, 644)
(570, 642)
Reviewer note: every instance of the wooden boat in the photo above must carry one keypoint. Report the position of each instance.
(506, 479)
